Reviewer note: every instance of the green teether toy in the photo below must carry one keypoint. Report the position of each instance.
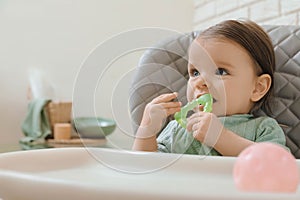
(205, 100)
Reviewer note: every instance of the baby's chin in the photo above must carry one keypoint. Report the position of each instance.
(215, 112)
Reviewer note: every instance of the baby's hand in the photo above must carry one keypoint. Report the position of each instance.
(206, 127)
(158, 110)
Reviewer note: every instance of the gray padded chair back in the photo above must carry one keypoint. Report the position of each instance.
(164, 69)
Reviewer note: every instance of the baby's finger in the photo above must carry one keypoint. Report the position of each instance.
(193, 119)
(196, 115)
(191, 122)
(165, 97)
(195, 127)
(171, 104)
(171, 111)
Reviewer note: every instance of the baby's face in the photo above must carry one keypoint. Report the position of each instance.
(224, 69)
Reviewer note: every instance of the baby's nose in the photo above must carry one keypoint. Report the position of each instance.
(201, 82)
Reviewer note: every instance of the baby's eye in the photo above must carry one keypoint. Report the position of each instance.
(221, 72)
(194, 73)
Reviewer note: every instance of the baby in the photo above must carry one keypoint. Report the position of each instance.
(233, 61)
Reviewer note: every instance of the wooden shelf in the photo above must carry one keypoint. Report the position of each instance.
(81, 142)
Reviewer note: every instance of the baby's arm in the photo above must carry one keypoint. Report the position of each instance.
(154, 114)
(267, 130)
(231, 144)
(208, 129)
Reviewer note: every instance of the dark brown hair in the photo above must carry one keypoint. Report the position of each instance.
(256, 42)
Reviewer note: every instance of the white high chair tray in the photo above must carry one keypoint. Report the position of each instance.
(98, 173)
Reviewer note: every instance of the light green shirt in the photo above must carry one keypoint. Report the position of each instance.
(175, 139)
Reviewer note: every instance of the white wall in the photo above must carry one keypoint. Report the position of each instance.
(274, 12)
(56, 36)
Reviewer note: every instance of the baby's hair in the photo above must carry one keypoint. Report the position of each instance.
(256, 42)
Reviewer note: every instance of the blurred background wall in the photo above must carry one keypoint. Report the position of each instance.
(56, 36)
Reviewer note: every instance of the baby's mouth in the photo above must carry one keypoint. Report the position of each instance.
(201, 107)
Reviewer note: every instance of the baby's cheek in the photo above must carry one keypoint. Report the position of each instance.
(189, 93)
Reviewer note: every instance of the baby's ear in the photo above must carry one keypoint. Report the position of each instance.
(262, 86)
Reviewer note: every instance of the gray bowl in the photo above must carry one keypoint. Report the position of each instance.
(93, 127)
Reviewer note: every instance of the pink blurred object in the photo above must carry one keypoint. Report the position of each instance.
(266, 167)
